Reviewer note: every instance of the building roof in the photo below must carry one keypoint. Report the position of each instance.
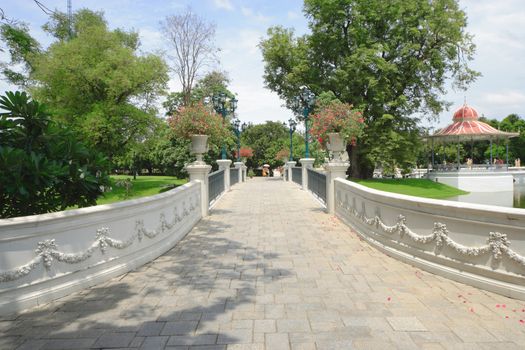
(466, 126)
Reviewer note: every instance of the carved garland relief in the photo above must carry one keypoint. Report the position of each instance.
(47, 250)
(497, 243)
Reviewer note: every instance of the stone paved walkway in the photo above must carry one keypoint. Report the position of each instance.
(270, 270)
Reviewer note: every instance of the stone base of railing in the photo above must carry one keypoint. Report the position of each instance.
(483, 246)
(45, 257)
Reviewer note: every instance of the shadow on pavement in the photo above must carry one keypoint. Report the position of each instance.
(185, 297)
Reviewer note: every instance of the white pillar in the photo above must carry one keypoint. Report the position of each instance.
(225, 164)
(334, 170)
(245, 172)
(238, 166)
(200, 173)
(306, 163)
(290, 165)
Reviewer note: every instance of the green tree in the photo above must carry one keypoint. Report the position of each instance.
(404, 143)
(43, 166)
(22, 48)
(160, 152)
(212, 83)
(266, 140)
(384, 57)
(514, 123)
(96, 81)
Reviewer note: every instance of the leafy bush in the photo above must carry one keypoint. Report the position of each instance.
(283, 155)
(198, 120)
(338, 117)
(245, 152)
(43, 167)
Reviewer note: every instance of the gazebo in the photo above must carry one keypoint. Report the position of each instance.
(466, 126)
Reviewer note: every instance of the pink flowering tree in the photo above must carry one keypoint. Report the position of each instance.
(336, 116)
(246, 152)
(198, 120)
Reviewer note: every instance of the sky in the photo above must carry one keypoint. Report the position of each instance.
(497, 27)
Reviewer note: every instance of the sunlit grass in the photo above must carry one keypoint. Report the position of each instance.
(412, 187)
(141, 187)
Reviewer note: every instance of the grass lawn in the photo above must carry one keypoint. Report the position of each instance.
(143, 186)
(412, 187)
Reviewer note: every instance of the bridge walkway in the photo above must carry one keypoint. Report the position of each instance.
(268, 269)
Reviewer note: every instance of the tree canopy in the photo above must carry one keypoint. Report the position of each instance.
(96, 81)
(192, 41)
(43, 166)
(384, 57)
(214, 82)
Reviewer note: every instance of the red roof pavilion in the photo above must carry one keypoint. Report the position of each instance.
(466, 126)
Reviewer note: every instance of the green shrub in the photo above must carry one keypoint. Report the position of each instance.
(43, 166)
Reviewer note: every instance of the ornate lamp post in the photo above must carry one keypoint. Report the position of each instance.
(219, 104)
(238, 130)
(306, 101)
(293, 124)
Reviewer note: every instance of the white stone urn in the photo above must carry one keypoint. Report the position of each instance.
(199, 146)
(336, 144)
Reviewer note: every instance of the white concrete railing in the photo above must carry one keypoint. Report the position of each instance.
(480, 245)
(44, 257)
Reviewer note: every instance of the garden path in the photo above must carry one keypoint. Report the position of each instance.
(268, 269)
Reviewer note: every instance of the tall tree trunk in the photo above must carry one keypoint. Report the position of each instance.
(354, 170)
(359, 166)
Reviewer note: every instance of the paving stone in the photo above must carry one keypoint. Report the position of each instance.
(136, 342)
(67, 344)
(179, 328)
(203, 339)
(473, 333)
(151, 328)
(277, 341)
(32, 345)
(235, 336)
(303, 346)
(115, 340)
(154, 343)
(406, 324)
(258, 346)
(287, 326)
(264, 326)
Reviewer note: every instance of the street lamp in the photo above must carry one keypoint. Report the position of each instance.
(219, 104)
(293, 125)
(306, 101)
(238, 129)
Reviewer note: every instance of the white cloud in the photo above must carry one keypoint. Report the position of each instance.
(292, 15)
(245, 42)
(223, 4)
(256, 16)
(509, 98)
(151, 40)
